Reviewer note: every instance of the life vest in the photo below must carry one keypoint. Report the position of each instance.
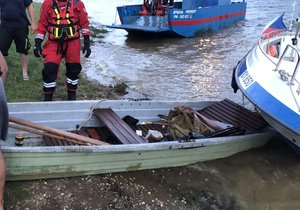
(63, 25)
(152, 7)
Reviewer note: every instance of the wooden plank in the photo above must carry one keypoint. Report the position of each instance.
(253, 116)
(93, 133)
(83, 133)
(218, 114)
(59, 142)
(54, 131)
(66, 143)
(230, 112)
(54, 142)
(111, 124)
(104, 132)
(222, 112)
(107, 135)
(227, 132)
(48, 141)
(118, 127)
(69, 143)
(240, 114)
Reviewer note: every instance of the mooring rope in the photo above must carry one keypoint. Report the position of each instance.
(91, 114)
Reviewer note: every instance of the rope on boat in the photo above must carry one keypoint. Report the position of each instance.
(91, 114)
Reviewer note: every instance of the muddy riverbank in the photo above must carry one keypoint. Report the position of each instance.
(236, 182)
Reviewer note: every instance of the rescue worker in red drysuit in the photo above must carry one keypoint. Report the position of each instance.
(63, 20)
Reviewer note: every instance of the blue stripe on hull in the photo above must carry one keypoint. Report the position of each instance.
(180, 21)
(222, 13)
(273, 107)
(269, 104)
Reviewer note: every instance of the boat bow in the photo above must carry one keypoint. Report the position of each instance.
(269, 77)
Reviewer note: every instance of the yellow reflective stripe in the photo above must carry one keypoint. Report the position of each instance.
(57, 15)
(56, 32)
(68, 18)
(71, 31)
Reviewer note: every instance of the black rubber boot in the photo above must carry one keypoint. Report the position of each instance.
(48, 97)
(71, 96)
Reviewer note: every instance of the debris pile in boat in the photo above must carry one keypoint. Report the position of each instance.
(224, 118)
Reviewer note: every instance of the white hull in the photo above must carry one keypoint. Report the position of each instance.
(290, 136)
(271, 82)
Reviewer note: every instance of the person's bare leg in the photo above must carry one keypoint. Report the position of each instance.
(2, 180)
(24, 63)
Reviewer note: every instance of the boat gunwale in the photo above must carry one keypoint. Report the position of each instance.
(170, 145)
(121, 105)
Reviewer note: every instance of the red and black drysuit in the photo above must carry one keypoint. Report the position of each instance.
(63, 20)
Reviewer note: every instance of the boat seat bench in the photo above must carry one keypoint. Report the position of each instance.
(56, 142)
(88, 132)
(120, 129)
(230, 112)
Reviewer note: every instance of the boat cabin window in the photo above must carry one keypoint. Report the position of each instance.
(274, 50)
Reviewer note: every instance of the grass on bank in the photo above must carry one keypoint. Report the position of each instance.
(18, 90)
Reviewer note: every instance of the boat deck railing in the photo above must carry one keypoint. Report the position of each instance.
(272, 38)
(286, 59)
(290, 50)
(274, 34)
(290, 53)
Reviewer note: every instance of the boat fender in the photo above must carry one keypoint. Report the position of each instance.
(273, 51)
(234, 84)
